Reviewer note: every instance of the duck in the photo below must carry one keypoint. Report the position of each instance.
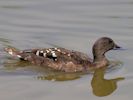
(65, 60)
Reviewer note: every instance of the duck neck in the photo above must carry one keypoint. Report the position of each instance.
(100, 60)
(98, 57)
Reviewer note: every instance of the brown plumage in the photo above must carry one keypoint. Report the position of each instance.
(67, 60)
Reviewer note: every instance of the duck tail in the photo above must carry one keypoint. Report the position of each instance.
(13, 51)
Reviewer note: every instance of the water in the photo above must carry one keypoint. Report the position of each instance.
(73, 24)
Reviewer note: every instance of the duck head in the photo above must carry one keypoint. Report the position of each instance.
(101, 46)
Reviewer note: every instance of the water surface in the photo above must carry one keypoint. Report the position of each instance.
(73, 24)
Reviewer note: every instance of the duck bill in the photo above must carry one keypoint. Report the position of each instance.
(116, 47)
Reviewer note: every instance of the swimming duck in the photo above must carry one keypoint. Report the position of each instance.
(67, 60)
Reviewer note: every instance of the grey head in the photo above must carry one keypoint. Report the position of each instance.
(101, 46)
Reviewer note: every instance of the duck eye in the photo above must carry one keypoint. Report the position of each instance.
(110, 41)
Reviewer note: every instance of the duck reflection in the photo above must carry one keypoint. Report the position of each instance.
(103, 87)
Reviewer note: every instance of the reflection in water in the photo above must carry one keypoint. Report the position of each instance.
(101, 86)
(60, 76)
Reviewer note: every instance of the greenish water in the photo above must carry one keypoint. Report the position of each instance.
(73, 24)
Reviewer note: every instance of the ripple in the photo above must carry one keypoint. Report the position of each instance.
(11, 7)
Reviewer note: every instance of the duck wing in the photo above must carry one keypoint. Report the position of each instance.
(56, 58)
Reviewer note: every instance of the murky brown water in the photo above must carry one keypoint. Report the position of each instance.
(73, 24)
